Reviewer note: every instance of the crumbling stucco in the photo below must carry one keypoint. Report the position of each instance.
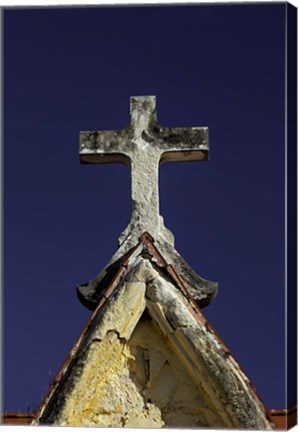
(166, 369)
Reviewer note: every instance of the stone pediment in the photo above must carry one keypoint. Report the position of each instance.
(149, 358)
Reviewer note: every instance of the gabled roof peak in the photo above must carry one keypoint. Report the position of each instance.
(86, 392)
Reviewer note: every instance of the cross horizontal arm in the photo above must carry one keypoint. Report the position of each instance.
(105, 146)
(183, 144)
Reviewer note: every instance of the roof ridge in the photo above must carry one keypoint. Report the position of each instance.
(164, 255)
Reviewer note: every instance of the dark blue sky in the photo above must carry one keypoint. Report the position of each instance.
(72, 69)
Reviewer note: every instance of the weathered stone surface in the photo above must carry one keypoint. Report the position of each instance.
(143, 145)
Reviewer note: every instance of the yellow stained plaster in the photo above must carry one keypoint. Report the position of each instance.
(124, 312)
(139, 383)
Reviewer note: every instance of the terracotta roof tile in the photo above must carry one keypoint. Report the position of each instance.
(17, 418)
(284, 418)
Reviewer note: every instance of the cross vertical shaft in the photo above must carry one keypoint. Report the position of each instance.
(144, 188)
(143, 145)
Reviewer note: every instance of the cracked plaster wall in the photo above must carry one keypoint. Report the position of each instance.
(140, 383)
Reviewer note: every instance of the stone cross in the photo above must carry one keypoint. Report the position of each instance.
(143, 145)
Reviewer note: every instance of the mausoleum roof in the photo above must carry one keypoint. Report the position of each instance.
(143, 281)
